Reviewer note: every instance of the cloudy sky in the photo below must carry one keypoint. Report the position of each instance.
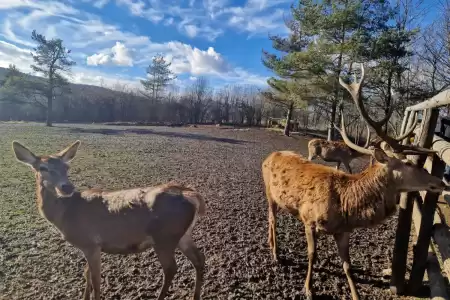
(115, 40)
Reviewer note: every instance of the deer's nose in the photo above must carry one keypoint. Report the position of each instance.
(67, 188)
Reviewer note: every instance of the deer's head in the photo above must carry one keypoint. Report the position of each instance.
(389, 151)
(408, 177)
(50, 170)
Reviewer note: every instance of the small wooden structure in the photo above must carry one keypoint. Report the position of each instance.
(420, 209)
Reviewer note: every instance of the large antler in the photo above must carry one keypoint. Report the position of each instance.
(349, 143)
(355, 91)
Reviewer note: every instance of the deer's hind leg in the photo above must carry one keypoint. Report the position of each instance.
(88, 288)
(273, 209)
(312, 254)
(165, 251)
(343, 244)
(197, 259)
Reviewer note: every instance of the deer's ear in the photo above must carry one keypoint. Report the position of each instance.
(380, 156)
(69, 153)
(24, 155)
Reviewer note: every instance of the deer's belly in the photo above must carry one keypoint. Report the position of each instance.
(126, 247)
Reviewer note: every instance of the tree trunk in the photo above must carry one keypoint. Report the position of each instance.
(288, 119)
(49, 109)
(331, 129)
(388, 100)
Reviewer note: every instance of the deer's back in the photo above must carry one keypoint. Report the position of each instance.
(129, 220)
(329, 150)
(305, 189)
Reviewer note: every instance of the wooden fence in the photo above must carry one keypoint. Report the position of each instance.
(420, 209)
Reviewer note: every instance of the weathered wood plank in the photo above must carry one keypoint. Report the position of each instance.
(426, 224)
(441, 99)
(438, 287)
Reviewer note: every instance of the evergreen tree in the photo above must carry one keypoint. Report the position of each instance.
(286, 93)
(159, 77)
(52, 61)
(324, 36)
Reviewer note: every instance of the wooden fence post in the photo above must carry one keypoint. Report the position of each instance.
(425, 231)
(399, 259)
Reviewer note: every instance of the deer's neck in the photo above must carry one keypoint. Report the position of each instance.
(369, 197)
(49, 205)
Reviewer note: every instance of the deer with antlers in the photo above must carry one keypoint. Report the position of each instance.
(335, 151)
(330, 201)
(118, 222)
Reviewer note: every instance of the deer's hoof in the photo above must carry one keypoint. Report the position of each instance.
(308, 294)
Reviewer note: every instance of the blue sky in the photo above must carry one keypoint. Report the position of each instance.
(114, 40)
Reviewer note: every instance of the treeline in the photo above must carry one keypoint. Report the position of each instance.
(197, 103)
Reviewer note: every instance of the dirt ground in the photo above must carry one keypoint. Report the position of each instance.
(225, 166)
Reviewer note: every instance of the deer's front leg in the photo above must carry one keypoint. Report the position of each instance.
(94, 261)
(312, 242)
(343, 244)
(347, 166)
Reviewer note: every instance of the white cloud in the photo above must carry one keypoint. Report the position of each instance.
(254, 20)
(191, 30)
(98, 59)
(138, 8)
(168, 21)
(95, 43)
(100, 3)
(188, 59)
(10, 53)
(119, 55)
(192, 78)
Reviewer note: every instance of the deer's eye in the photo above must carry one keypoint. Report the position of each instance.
(43, 169)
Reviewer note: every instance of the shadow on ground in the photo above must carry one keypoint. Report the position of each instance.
(194, 136)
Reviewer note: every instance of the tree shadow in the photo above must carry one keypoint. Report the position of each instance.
(193, 136)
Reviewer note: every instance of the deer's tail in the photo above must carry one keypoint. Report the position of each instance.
(199, 202)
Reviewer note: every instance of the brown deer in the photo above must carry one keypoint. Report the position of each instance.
(330, 201)
(335, 151)
(117, 222)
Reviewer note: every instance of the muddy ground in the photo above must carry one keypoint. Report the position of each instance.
(224, 165)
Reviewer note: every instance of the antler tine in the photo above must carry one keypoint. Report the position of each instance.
(348, 142)
(366, 145)
(355, 91)
(410, 130)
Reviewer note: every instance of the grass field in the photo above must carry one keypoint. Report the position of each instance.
(225, 166)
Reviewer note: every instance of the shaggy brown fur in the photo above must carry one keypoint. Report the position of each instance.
(332, 151)
(334, 202)
(117, 222)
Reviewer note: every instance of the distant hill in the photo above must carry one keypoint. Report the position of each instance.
(84, 103)
(85, 88)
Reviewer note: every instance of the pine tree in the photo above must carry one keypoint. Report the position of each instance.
(286, 93)
(159, 77)
(52, 61)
